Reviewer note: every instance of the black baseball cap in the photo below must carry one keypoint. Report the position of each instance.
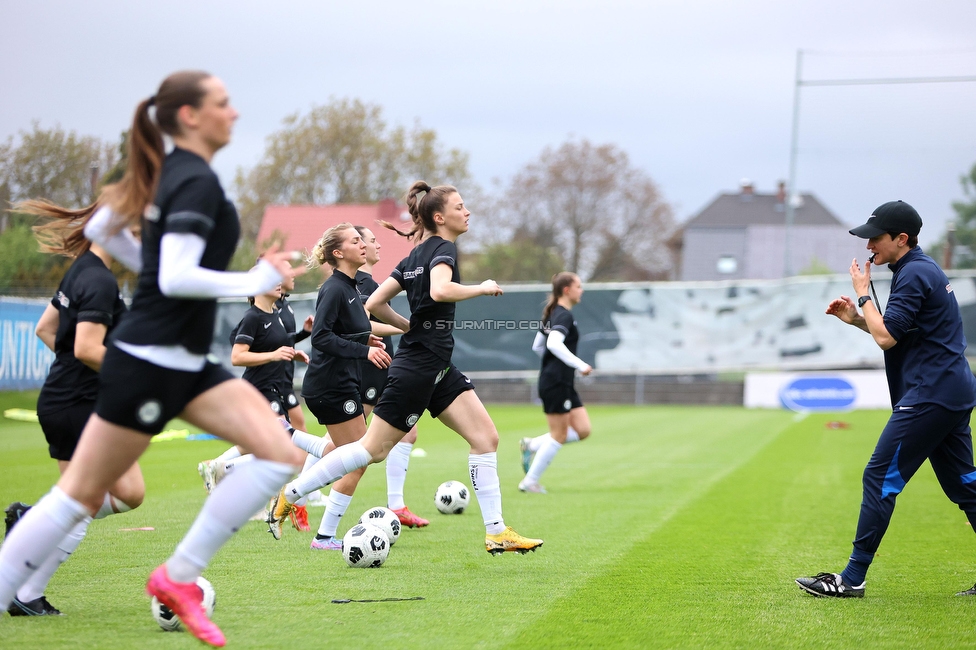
(895, 217)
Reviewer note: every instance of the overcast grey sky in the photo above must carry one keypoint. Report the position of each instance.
(698, 93)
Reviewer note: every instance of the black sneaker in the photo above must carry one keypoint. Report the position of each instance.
(968, 592)
(36, 607)
(14, 512)
(830, 585)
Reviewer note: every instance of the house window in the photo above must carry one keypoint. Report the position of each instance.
(727, 264)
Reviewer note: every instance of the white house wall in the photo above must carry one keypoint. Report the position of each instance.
(831, 246)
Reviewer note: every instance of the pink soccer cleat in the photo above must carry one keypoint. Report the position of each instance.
(185, 599)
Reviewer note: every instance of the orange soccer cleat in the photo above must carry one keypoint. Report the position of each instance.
(299, 519)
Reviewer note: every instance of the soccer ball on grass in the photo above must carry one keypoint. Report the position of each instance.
(365, 546)
(452, 497)
(384, 519)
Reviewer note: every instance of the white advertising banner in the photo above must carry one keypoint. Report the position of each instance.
(817, 391)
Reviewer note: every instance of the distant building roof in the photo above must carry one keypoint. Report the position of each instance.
(748, 208)
(303, 225)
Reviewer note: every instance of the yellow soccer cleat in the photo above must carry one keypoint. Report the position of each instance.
(509, 540)
(278, 512)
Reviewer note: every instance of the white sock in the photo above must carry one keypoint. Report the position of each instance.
(546, 453)
(310, 460)
(484, 480)
(225, 467)
(307, 442)
(230, 454)
(396, 474)
(335, 507)
(37, 583)
(34, 539)
(536, 443)
(230, 506)
(111, 506)
(333, 466)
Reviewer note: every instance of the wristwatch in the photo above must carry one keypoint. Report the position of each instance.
(862, 300)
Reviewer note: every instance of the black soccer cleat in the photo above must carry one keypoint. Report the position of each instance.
(14, 512)
(830, 585)
(36, 607)
(968, 592)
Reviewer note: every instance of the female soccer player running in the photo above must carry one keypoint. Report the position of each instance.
(341, 337)
(295, 414)
(86, 307)
(262, 345)
(556, 343)
(374, 379)
(422, 375)
(156, 366)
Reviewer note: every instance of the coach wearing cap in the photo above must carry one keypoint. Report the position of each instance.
(932, 388)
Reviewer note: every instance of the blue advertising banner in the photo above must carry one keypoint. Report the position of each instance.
(24, 359)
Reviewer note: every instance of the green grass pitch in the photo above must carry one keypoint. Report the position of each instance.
(671, 527)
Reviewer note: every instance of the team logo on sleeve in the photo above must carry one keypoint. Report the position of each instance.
(441, 375)
(412, 419)
(63, 300)
(149, 412)
(350, 406)
(151, 213)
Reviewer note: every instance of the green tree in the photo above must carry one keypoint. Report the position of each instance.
(51, 164)
(963, 228)
(606, 217)
(342, 152)
(530, 256)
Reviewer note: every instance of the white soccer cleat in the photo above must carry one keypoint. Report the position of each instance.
(525, 485)
(206, 471)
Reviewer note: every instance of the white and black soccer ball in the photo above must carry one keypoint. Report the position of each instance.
(384, 519)
(365, 546)
(169, 621)
(452, 497)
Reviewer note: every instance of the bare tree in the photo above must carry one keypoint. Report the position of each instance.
(607, 217)
(342, 152)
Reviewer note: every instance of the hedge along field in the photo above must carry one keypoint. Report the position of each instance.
(670, 527)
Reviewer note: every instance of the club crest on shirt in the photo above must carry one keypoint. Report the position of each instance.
(151, 213)
(150, 411)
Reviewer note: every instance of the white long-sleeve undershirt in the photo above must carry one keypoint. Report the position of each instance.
(123, 245)
(181, 276)
(556, 343)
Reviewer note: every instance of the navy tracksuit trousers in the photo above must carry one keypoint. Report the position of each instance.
(912, 435)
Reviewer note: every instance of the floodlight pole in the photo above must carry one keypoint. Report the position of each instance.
(797, 84)
(791, 184)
